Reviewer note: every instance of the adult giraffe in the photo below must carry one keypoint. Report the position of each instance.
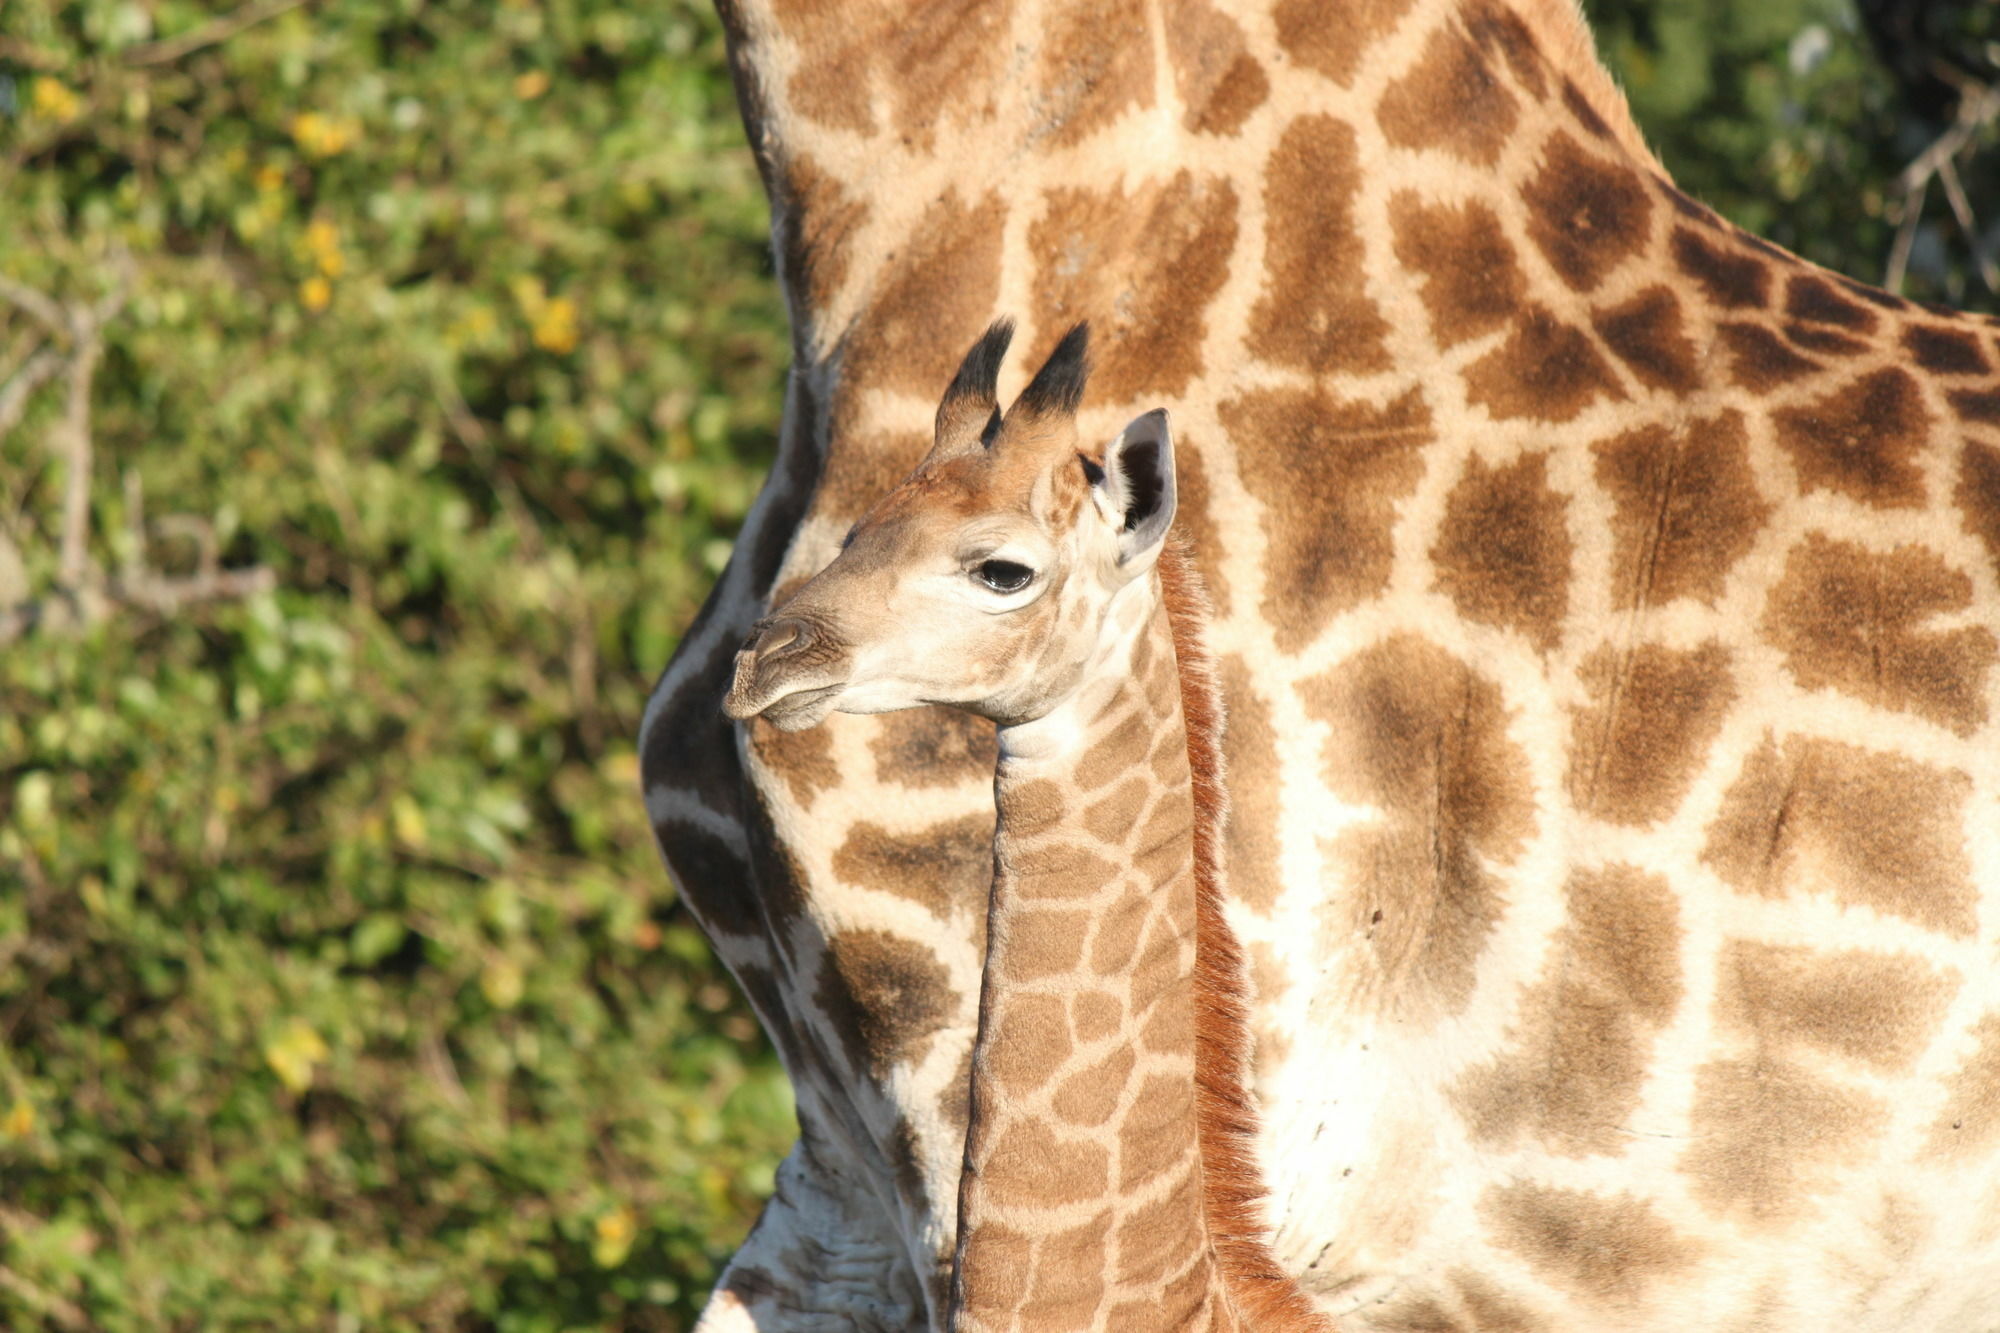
(1605, 607)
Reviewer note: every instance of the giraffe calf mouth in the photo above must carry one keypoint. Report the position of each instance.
(782, 674)
(794, 710)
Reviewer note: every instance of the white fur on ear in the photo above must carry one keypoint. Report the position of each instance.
(1138, 487)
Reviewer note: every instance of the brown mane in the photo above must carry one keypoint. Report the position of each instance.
(1226, 1122)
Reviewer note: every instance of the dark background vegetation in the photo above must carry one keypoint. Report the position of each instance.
(421, 358)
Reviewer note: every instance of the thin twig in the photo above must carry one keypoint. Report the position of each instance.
(72, 610)
(217, 30)
(1978, 105)
(14, 394)
(1961, 209)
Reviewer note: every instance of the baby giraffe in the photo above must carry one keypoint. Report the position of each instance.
(1109, 1182)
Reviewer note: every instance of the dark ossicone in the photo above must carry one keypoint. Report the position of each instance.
(972, 398)
(1057, 388)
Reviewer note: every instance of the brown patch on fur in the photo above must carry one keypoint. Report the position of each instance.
(1852, 620)
(1862, 440)
(803, 758)
(1088, 1097)
(1029, 1166)
(1315, 314)
(1329, 473)
(1945, 351)
(1977, 495)
(1876, 1009)
(945, 869)
(932, 747)
(1606, 1248)
(1194, 517)
(1610, 984)
(1472, 282)
(1645, 333)
(1768, 1135)
(1980, 405)
(886, 996)
(1969, 1124)
(1424, 737)
(1730, 279)
(1687, 508)
(1331, 41)
(1217, 79)
(1029, 1042)
(1653, 713)
(1069, 1276)
(1874, 830)
(935, 299)
(817, 224)
(1450, 99)
(1143, 267)
(1758, 361)
(1587, 215)
(1503, 549)
(1812, 298)
(1546, 371)
(1097, 62)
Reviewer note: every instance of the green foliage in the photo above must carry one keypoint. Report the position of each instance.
(1783, 116)
(340, 985)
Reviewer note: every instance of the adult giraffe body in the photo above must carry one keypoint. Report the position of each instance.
(1606, 609)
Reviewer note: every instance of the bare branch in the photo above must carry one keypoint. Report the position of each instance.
(1978, 106)
(43, 307)
(14, 394)
(208, 34)
(72, 610)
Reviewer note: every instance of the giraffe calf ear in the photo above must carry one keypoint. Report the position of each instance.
(1138, 485)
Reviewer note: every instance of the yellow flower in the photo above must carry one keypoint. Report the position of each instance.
(294, 1053)
(615, 1232)
(322, 241)
(315, 293)
(269, 177)
(323, 136)
(20, 1120)
(531, 85)
(555, 325)
(52, 100)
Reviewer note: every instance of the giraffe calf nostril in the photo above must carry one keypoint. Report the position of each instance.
(779, 638)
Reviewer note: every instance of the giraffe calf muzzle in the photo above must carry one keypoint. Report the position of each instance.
(789, 671)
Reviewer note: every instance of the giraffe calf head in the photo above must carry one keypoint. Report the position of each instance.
(987, 578)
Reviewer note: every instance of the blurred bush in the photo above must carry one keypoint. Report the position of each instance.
(339, 984)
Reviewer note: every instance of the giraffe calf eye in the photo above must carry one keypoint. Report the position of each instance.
(1003, 575)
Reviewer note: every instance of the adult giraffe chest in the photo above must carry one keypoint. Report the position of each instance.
(1605, 610)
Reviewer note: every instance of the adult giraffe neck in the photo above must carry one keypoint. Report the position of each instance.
(1108, 1158)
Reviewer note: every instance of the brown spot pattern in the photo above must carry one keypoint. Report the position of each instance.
(1730, 279)
(937, 298)
(1031, 1167)
(1851, 620)
(1450, 99)
(1546, 370)
(1612, 981)
(1503, 549)
(1329, 474)
(1142, 267)
(1686, 508)
(1331, 40)
(1606, 1248)
(944, 869)
(1472, 283)
(1945, 351)
(1645, 333)
(886, 996)
(803, 758)
(932, 747)
(1861, 440)
(1977, 495)
(1876, 1009)
(1218, 81)
(1874, 830)
(1758, 361)
(1653, 712)
(1586, 215)
(1315, 313)
(1812, 298)
(1097, 62)
(1768, 1136)
(818, 221)
(1421, 735)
